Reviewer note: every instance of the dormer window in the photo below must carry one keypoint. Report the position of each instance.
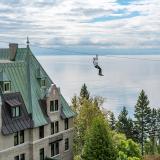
(54, 105)
(43, 82)
(15, 111)
(14, 107)
(6, 86)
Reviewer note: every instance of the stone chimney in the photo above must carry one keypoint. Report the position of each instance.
(13, 49)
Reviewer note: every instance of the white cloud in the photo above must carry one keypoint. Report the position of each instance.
(66, 21)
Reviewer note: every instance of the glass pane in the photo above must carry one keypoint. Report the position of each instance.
(13, 112)
(56, 127)
(42, 154)
(17, 111)
(7, 86)
(56, 105)
(22, 157)
(16, 158)
(51, 106)
(16, 139)
(52, 128)
(52, 150)
(57, 148)
(21, 136)
(66, 144)
(66, 123)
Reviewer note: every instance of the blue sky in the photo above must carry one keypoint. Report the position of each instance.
(104, 26)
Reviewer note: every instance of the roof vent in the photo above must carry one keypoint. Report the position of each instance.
(13, 49)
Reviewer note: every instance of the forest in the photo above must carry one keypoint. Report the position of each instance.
(99, 135)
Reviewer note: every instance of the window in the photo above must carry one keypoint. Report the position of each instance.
(21, 137)
(66, 126)
(41, 132)
(15, 111)
(16, 141)
(43, 82)
(66, 144)
(16, 157)
(41, 154)
(54, 105)
(52, 128)
(56, 127)
(22, 157)
(6, 86)
(54, 148)
(51, 106)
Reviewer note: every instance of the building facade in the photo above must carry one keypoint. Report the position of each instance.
(36, 123)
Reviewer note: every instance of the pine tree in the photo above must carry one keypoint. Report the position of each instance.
(112, 121)
(125, 124)
(153, 128)
(84, 94)
(142, 116)
(98, 142)
(158, 125)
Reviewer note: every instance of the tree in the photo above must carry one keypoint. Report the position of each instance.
(75, 104)
(127, 148)
(112, 121)
(142, 116)
(125, 124)
(84, 94)
(87, 109)
(98, 142)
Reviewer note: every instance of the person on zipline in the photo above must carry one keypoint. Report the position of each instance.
(95, 62)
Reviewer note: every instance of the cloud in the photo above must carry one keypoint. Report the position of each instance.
(111, 23)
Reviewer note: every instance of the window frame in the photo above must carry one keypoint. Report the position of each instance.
(54, 148)
(56, 126)
(43, 82)
(41, 132)
(16, 157)
(66, 123)
(21, 137)
(9, 86)
(22, 156)
(41, 153)
(16, 139)
(54, 105)
(52, 128)
(66, 144)
(15, 110)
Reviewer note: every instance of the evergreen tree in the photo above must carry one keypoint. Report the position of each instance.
(98, 142)
(87, 109)
(112, 121)
(153, 131)
(125, 124)
(158, 126)
(142, 116)
(84, 94)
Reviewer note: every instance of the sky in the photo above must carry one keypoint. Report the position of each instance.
(82, 26)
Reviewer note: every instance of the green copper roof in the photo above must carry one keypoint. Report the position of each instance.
(4, 53)
(66, 108)
(3, 76)
(16, 71)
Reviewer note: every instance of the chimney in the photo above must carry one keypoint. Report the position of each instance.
(13, 49)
